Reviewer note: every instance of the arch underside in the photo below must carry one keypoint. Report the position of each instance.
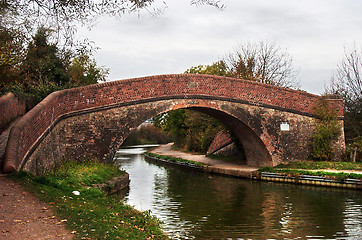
(101, 132)
(255, 151)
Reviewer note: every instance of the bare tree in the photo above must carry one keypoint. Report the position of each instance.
(214, 3)
(263, 62)
(347, 79)
(347, 82)
(64, 16)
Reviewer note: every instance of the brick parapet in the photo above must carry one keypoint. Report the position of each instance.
(11, 108)
(34, 124)
(337, 105)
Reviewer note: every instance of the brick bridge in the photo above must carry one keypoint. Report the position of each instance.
(93, 121)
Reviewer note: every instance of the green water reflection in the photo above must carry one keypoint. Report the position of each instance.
(195, 205)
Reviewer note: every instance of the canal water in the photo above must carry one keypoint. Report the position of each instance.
(196, 205)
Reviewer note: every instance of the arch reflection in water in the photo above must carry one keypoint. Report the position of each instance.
(195, 205)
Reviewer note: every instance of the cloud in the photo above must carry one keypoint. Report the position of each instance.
(314, 32)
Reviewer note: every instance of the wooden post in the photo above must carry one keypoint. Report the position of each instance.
(354, 154)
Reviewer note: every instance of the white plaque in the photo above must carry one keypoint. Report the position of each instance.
(284, 126)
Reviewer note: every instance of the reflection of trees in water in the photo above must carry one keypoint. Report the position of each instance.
(353, 216)
(306, 210)
(294, 211)
(256, 209)
(215, 202)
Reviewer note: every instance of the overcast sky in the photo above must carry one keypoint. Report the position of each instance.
(314, 32)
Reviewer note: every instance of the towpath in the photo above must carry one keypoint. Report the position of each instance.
(23, 216)
(217, 166)
(222, 166)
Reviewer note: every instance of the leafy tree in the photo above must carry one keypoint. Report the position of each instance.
(244, 69)
(42, 63)
(173, 122)
(45, 63)
(11, 55)
(262, 62)
(84, 71)
(44, 69)
(147, 134)
(201, 131)
(217, 68)
(191, 130)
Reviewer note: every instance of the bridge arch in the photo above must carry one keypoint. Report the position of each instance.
(95, 120)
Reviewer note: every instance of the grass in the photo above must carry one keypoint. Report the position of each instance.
(92, 214)
(173, 159)
(295, 172)
(322, 165)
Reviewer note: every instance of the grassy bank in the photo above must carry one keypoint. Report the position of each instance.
(173, 159)
(317, 169)
(92, 214)
(322, 165)
(332, 175)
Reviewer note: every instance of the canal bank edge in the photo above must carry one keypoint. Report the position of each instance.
(114, 185)
(265, 176)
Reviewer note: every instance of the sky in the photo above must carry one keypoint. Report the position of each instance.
(313, 32)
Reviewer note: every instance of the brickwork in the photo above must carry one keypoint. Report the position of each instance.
(100, 133)
(10, 108)
(221, 140)
(35, 126)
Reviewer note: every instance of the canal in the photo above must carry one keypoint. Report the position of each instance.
(196, 205)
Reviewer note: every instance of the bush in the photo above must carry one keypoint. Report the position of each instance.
(327, 131)
(148, 134)
(354, 150)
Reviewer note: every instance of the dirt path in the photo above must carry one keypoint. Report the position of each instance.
(222, 164)
(23, 216)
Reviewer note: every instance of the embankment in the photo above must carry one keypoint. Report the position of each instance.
(165, 153)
